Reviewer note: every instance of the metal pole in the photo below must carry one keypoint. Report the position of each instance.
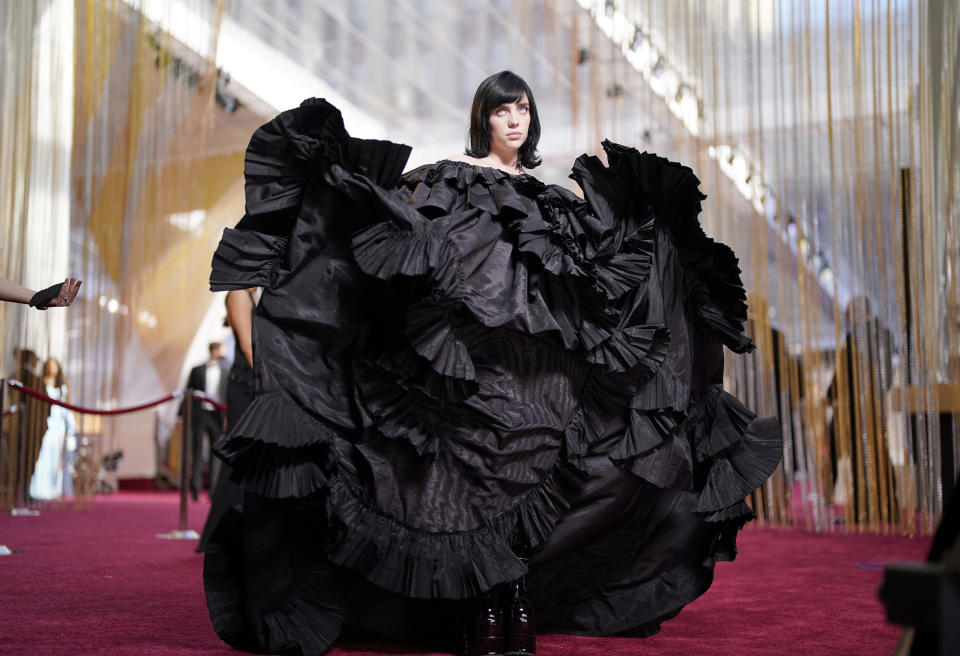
(3, 408)
(4, 549)
(3, 445)
(182, 533)
(157, 453)
(184, 450)
(20, 498)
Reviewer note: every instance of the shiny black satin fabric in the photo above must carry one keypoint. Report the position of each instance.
(459, 364)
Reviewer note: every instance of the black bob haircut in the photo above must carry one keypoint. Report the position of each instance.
(500, 88)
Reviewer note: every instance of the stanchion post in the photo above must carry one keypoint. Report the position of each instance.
(4, 550)
(19, 500)
(182, 532)
(185, 444)
(3, 409)
(20, 462)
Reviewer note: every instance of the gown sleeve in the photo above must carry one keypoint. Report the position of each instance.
(299, 147)
(683, 430)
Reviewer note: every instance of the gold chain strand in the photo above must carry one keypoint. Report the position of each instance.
(952, 216)
(896, 216)
(758, 256)
(911, 232)
(884, 338)
(841, 407)
(780, 388)
(117, 150)
(931, 262)
(918, 270)
(880, 373)
(866, 500)
(817, 475)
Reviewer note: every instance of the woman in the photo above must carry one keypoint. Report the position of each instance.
(463, 366)
(240, 304)
(47, 480)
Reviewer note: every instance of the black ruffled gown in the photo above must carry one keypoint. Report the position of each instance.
(457, 361)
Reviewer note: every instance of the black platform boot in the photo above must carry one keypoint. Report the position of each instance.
(483, 634)
(520, 634)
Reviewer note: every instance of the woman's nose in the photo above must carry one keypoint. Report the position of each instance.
(513, 119)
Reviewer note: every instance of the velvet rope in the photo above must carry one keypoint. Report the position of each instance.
(29, 391)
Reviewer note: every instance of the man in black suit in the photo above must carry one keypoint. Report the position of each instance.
(206, 421)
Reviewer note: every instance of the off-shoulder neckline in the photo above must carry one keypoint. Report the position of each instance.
(487, 168)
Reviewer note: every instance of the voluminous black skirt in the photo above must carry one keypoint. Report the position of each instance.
(457, 363)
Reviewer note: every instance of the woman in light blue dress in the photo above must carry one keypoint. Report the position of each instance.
(47, 481)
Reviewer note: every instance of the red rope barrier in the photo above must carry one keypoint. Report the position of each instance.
(200, 396)
(29, 391)
(11, 409)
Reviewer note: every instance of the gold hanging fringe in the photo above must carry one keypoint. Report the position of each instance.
(845, 111)
(149, 199)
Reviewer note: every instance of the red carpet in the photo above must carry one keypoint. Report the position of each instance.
(99, 582)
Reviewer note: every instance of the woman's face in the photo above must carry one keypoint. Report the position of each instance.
(51, 368)
(509, 124)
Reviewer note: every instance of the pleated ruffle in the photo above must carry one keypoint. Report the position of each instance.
(742, 449)
(398, 409)
(299, 147)
(641, 184)
(303, 146)
(245, 258)
(277, 450)
(456, 565)
(567, 259)
(718, 436)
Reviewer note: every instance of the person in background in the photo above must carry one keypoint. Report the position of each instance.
(225, 494)
(29, 423)
(47, 480)
(32, 418)
(59, 295)
(206, 420)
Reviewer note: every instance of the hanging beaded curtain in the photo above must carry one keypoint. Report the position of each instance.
(144, 170)
(35, 135)
(158, 174)
(826, 135)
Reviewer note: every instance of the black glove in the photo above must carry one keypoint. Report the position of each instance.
(44, 296)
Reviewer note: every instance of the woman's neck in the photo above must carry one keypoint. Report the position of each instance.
(506, 161)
